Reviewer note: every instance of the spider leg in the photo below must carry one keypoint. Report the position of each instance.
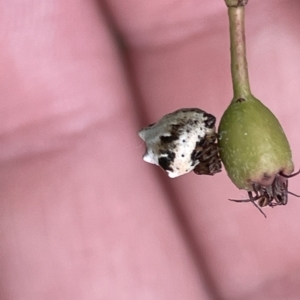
(259, 209)
(289, 176)
(252, 200)
(240, 200)
(293, 194)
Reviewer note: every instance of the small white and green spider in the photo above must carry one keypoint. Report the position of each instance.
(183, 141)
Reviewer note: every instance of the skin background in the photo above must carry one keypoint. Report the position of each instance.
(82, 216)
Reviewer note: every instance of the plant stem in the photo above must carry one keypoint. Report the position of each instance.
(239, 69)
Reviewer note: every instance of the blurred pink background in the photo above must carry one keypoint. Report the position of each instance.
(82, 216)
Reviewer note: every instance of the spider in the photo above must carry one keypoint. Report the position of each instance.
(207, 153)
(273, 195)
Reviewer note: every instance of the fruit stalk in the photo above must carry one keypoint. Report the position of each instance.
(239, 68)
(253, 147)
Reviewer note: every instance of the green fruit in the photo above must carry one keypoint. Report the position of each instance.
(253, 146)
